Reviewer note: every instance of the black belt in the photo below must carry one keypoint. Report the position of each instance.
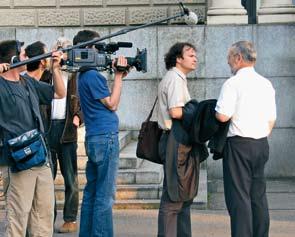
(58, 120)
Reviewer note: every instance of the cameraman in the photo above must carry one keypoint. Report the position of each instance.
(101, 143)
(30, 195)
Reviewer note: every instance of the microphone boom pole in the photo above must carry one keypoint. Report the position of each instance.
(184, 11)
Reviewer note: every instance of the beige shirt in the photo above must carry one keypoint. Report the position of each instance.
(172, 92)
(249, 99)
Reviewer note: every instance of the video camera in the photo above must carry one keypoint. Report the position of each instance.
(82, 59)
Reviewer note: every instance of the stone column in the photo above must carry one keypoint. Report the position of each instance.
(276, 11)
(226, 12)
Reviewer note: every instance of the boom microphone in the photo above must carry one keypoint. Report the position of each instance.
(190, 18)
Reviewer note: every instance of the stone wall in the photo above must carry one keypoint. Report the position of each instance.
(44, 13)
(276, 60)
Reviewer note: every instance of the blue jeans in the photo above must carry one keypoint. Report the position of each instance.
(99, 193)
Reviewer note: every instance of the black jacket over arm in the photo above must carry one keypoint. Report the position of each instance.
(186, 147)
(199, 119)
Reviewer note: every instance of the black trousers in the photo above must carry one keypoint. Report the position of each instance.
(174, 219)
(66, 154)
(245, 186)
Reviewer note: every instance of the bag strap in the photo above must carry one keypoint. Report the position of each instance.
(151, 113)
(1, 137)
(37, 122)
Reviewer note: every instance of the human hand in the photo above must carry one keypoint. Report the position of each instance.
(120, 66)
(76, 121)
(56, 58)
(4, 67)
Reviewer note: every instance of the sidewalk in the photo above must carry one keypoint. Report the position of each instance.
(143, 223)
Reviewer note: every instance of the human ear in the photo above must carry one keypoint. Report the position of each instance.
(178, 59)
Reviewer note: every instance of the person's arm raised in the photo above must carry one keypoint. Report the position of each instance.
(59, 87)
(112, 101)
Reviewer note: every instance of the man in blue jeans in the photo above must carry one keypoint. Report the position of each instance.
(101, 142)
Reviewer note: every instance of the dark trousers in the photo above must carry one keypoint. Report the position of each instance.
(245, 186)
(66, 154)
(174, 219)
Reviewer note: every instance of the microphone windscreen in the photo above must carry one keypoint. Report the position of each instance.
(191, 19)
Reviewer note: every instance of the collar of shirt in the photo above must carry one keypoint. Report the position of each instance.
(245, 70)
(179, 73)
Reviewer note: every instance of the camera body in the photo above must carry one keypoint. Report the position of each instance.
(81, 59)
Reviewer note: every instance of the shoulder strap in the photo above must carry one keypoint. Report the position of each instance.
(151, 113)
(1, 137)
(23, 81)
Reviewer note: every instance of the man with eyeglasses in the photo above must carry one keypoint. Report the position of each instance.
(247, 99)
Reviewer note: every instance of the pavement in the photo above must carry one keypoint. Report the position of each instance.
(205, 223)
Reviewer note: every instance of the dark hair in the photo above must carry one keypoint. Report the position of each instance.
(8, 49)
(33, 50)
(176, 51)
(85, 35)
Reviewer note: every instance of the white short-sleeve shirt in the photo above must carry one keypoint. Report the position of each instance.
(172, 93)
(249, 99)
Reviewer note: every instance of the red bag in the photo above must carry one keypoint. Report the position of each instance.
(148, 139)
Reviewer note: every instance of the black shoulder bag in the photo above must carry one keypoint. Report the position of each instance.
(148, 139)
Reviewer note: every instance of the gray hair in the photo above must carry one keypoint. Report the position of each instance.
(62, 42)
(246, 49)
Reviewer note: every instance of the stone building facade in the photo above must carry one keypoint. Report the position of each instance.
(75, 13)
